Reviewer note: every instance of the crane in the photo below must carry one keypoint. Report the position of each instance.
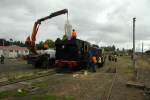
(30, 41)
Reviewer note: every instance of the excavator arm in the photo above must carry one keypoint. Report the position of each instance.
(31, 41)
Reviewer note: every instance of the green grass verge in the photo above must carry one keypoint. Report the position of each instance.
(51, 97)
(18, 95)
(6, 94)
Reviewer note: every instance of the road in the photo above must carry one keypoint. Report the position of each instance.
(12, 65)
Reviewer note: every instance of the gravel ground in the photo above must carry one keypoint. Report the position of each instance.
(12, 65)
(18, 68)
(93, 86)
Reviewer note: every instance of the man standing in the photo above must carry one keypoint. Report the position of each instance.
(2, 59)
(73, 34)
(93, 64)
(115, 56)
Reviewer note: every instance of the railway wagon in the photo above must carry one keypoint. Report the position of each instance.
(74, 53)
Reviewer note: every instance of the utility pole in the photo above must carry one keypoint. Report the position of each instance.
(134, 19)
(135, 70)
(142, 48)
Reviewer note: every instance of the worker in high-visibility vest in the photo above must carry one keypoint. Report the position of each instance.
(73, 34)
(46, 45)
(93, 64)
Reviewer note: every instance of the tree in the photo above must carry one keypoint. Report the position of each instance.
(64, 37)
(147, 52)
(51, 43)
(110, 48)
(11, 41)
(40, 45)
(2, 42)
(113, 48)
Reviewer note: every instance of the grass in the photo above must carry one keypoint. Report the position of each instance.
(21, 74)
(20, 94)
(51, 97)
(6, 94)
(125, 65)
(24, 93)
(130, 69)
(41, 84)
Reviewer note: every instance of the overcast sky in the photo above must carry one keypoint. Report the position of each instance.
(105, 22)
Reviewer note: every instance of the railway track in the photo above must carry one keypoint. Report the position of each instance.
(111, 87)
(10, 82)
(26, 78)
(107, 93)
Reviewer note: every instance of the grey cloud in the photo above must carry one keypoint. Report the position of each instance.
(105, 21)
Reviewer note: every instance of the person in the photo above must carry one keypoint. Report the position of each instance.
(109, 57)
(115, 56)
(99, 60)
(93, 63)
(46, 46)
(102, 60)
(73, 34)
(2, 59)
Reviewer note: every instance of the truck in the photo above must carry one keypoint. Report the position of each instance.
(41, 59)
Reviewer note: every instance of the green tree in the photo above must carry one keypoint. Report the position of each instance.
(40, 45)
(64, 37)
(110, 48)
(51, 43)
(11, 41)
(113, 48)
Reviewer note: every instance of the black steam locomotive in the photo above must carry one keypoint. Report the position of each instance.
(74, 53)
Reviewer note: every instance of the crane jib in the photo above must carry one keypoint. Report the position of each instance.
(59, 12)
(37, 24)
(53, 15)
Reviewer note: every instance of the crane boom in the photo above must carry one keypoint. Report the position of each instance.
(31, 42)
(53, 15)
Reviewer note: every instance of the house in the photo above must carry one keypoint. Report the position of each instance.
(13, 51)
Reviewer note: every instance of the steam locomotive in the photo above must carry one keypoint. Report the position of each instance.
(74, 53)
